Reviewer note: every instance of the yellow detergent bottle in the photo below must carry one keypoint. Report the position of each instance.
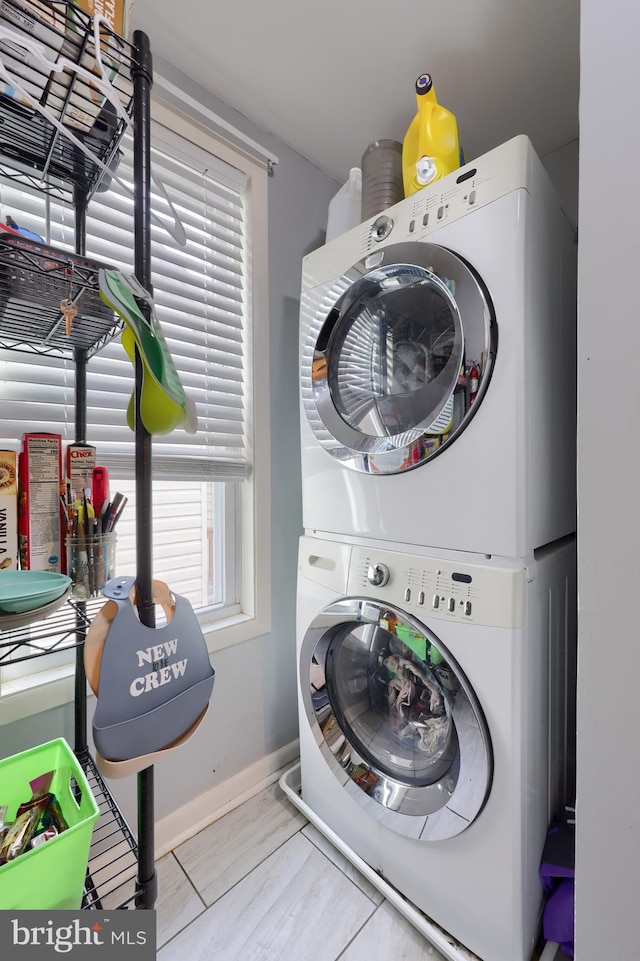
(431, 148)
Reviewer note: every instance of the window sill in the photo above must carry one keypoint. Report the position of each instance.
(46, 690)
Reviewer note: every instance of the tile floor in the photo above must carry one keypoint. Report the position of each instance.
(262, 883)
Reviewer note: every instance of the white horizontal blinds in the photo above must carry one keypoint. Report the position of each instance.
(199, 293)
(200, 297)
(33, 397)
(183, 543)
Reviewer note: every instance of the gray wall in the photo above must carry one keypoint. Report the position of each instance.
(253, 710)
(562, 167)
(608, 803)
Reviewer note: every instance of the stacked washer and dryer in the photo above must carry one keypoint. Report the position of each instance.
(436, 588)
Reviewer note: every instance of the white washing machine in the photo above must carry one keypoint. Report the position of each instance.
(435, 725)
(438, 366)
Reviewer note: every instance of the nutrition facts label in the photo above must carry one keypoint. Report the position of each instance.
(43, 501)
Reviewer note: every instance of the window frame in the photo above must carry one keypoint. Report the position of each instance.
(248, 510)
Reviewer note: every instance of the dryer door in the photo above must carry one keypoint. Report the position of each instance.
(396, 356)
(395, 718)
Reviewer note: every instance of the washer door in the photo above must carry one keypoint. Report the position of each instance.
(396, 363)
(395, 718)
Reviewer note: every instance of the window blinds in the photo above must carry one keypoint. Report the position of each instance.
(200, 293)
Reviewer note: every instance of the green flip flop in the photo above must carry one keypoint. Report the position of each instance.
(164, 404)
(160, 414)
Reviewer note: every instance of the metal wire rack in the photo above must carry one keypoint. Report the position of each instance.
(34, 279)
(34, 151)
(48, 96)
(65, 629)
(110, 882)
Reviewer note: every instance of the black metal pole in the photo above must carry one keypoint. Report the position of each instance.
(80, 360)
(142, 75)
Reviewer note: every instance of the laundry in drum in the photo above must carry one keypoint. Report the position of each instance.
(411, 365)
(418, 711)
(164, 404)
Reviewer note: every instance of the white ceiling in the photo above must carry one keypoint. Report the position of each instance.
(327, 78)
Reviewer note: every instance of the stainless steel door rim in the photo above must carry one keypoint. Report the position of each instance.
(384, 353)
(395, 718)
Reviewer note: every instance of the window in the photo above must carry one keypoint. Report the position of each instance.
(210, 296)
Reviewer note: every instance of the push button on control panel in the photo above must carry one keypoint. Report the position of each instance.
(467, 608)
(436, 602)
(407, 594)
(425, 220)
(451, 605)
(421, 597)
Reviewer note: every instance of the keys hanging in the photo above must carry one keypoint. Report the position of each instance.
(69, 310)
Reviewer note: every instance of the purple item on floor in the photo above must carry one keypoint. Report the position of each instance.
(557, 922)
(557, 872)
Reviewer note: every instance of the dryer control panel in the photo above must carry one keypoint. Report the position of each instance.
(511, 166)
(465, 592)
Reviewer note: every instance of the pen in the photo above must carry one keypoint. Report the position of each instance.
(68, 515)
(104, 511)
(90, 537)
(114, 512)
(115, 515)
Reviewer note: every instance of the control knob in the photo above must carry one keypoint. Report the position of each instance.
(381, 228)
(378, 574)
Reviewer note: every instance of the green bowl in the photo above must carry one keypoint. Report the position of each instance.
(22, 591)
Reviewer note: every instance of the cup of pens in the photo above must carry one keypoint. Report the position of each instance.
(91, 562)
(91, 539)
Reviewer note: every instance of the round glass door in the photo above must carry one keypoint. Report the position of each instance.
(392, 710)
(401, 358)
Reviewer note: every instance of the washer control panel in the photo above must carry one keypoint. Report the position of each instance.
(425, 586)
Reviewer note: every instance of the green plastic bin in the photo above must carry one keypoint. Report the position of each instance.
(51, 876)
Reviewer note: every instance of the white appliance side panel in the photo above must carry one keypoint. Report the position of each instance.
(550, 353)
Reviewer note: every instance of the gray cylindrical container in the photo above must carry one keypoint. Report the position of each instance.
(381, 177)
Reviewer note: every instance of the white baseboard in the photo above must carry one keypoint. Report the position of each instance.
(212, 805)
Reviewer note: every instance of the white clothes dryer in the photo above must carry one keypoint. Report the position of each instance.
(438, 366)
(434, 731)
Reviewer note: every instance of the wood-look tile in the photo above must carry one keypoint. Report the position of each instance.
(389, 935)
(323, 844)
(295, 906)
(222, 854)
(177, 904)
